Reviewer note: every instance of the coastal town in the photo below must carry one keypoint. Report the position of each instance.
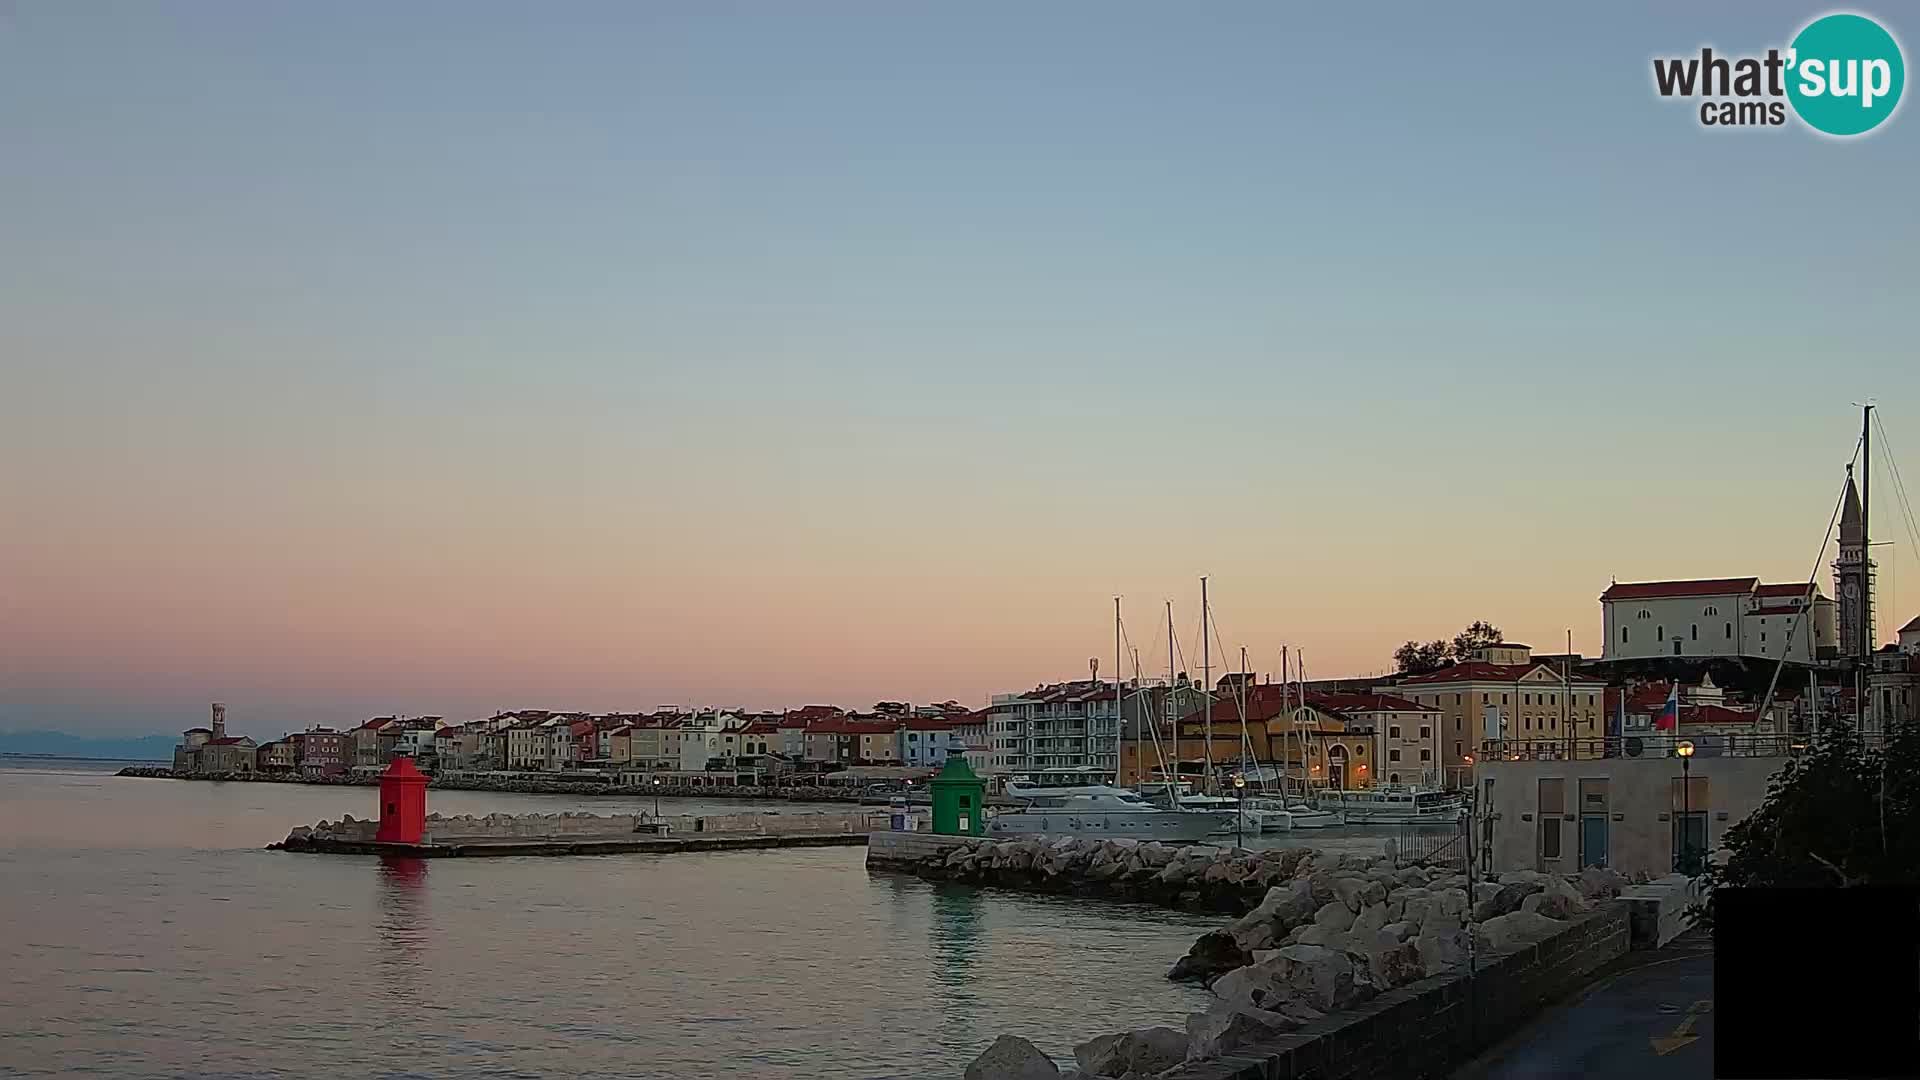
(1725, 677)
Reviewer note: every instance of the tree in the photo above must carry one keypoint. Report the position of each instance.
(1841, 814)
(1413, 658)
(1478, 635)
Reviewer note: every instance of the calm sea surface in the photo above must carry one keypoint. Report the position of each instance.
(143, 932)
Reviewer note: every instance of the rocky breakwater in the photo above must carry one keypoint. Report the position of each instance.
(1194, 878)
(1337, 932)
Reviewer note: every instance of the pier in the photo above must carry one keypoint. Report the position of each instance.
(480, 847)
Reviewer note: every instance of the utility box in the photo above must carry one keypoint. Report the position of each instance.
(959, 800)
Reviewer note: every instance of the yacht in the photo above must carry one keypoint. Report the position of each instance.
(1107, 812)
(1279, 815)
(1047, 783)
(1396, 804)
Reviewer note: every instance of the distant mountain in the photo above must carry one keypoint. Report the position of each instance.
(60, 744)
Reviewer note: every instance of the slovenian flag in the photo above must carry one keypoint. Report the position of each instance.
(1669, 718)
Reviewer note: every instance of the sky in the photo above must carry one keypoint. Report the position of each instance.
(450, 357)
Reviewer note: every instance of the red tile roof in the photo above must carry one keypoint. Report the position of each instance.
(1481, 671)
(1653, 590)
(1367, 703)
(1785, 590)
(231, 740)
(761, 727)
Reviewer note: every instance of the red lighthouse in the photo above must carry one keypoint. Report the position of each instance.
(403, 803)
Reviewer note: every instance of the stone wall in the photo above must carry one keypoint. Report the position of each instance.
(903, 850)
(1430, 1027)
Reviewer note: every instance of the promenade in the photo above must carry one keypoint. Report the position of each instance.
(1648, 1015)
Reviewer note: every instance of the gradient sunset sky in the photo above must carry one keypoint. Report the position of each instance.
(446, 357)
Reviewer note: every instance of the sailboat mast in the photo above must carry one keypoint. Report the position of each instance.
(1173, 711)
(1866, 538)
(1119, 679)
(1206, 682)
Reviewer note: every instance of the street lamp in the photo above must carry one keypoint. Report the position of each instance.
(1685, 750)
(1239, 810)
(656, 798)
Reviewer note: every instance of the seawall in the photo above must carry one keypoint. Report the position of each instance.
(1429, 1028)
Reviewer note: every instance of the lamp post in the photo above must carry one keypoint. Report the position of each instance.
(1239, 810)
(656, 798)
(1685, 750)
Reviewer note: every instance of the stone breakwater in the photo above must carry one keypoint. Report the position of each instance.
(1318, 933)
(443, 829)
(531, 786)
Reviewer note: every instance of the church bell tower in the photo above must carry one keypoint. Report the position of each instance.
(1853, 578)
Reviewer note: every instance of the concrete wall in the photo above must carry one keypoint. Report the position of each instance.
(1431, 1027)
(1639, 810)
(899, 850)
(1657, 911)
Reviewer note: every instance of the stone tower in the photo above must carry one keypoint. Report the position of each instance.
(1853, 578)
(219, 721)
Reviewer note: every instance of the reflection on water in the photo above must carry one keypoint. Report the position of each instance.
(203, 955)
(403, 921)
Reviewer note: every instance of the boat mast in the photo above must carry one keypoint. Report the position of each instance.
(1206, 685)
(1172, 710)
(1119, 678)
(1866, 557)
(1286, 711)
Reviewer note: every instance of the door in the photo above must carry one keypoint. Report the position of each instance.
(1689, 841)
(1593, 840)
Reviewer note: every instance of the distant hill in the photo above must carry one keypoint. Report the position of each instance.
(60, 744)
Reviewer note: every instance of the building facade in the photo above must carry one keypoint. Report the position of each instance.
(1730, 617)
(1480, 700)
(1071, 725)
(1406, 734)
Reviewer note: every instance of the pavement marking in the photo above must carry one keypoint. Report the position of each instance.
(1683, 1033)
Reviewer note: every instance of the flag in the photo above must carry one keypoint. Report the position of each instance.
(1669, 718)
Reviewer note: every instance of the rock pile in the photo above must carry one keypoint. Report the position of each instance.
(1330, 933)
(1195, 877)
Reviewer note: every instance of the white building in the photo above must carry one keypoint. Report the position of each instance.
(1731, 617)
(1064, 726)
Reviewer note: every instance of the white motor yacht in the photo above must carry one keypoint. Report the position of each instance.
(1396, 804)
(1049, 783)
(1110, 812)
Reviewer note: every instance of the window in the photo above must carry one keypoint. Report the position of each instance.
(1360, 750)
(1659, 633)
(1503, 699)
(1456, 725)
(1553, 797)
(1525, 699)
(1425, 732)
(1729, 631)
(1426, 755)
(1393, 731)
(1393, 778)
(1456, 699)
(1711, 610)
(1696, 631)
(1527, 723)
(1644, 614)
(1393, 754)
(1623, 635)
(1456, 749)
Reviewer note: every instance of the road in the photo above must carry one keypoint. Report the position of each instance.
(1648, 1016)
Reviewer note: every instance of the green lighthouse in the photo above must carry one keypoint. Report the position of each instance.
(959, 798)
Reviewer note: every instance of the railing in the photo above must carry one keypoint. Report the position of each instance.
(1645, 746)
(1418, 846)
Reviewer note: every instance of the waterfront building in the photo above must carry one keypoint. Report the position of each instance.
(527, 744)
(212, 752)
(365, 743)
(1893, 684)
(276, 756)
(319, 752)
(1716, 617)
(1540, 811)
(1070, 725)
(1309, 743)
(1406, 734)
(924, 740)
(853, 741)
(1516, 697)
